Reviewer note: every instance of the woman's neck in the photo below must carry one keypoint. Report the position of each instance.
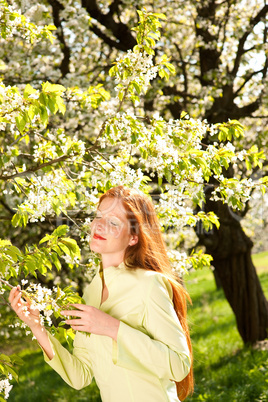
(109, 260)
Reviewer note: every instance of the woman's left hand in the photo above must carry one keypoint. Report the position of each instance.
(93, 320)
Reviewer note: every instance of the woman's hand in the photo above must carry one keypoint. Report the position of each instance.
(92, 320)
(23, 309)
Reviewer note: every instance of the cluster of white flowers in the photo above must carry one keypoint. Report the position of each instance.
(59, 143)
(11, 102)
(44, 192)
(5, 386)
(233, 191)
(89, 201)
(75, 18)
(127, 175)
(109, 108)
(69, 260)
(179, 262)
(18, 24)
(35, 12)
(172, 209)
(117, 171)
(44, 300)
(142, 67)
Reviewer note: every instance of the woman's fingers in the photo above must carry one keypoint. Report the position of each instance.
(73, 313)
(15, 299)
(75, 322)
(12, 294)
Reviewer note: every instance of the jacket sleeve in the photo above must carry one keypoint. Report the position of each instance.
(75, 369)
(162, 349)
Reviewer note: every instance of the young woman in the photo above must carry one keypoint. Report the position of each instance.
(132, 334)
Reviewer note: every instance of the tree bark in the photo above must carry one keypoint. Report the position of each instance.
(231, 248)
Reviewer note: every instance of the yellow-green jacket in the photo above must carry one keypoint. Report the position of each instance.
(151, 351)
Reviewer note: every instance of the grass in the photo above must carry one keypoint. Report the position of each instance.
(39, 383)
(225, 371)
(260, 260)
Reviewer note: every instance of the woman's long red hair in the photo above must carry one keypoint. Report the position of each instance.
(150, 253)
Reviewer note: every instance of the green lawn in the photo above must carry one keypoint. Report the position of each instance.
(225, 371)
(260, 260)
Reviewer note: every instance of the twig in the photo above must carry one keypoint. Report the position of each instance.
(5, 302)
(6, 283)
(107, 160)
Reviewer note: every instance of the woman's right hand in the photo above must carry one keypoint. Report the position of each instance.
(23, 308)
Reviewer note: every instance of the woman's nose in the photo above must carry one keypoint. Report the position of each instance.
(100, 224)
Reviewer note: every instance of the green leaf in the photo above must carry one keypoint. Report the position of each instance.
(21, 122)
(5, 358)
(52, 105)
(55, 261)
(20, 219)
(46, 238)
(137, 87)
(170, 67)
(43, 115)
(168, 174)
(29, 90)
(160, 16)
(113, 70)
(13, 373)
(17, 360)
(65, 249)
(72, 245)
(31, 264)
(15, 220)
(43, 99)
(13, 252)
(61, 231)
(60, 104)
(4, 243)
(32, 111)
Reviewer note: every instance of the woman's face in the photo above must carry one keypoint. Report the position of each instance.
(110, 229)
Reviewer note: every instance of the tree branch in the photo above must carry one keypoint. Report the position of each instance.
(119, 30)
(185, 76)
(240, 51)
(38, 167)
(247, 78)
(6, 283)
(57, 7)
(111, 42)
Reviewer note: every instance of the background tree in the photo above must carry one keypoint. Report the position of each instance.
(54, 167)
(219, 50)
(210, 45)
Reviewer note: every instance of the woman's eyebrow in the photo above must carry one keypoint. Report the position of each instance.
(109, 214)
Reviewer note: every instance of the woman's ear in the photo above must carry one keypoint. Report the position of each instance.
(134, 240)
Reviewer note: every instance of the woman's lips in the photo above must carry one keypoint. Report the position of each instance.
(96, 236)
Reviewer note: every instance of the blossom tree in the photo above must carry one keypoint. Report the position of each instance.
(65, 140)
(219, 53)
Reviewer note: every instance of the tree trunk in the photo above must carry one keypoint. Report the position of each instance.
(231, 248)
